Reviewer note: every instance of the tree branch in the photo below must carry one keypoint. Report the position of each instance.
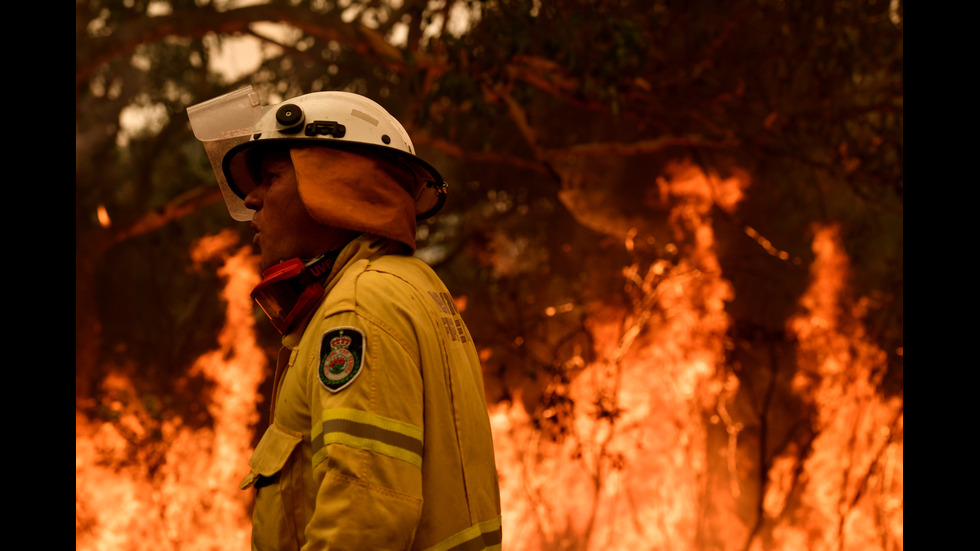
(200, 22)
(178, 208)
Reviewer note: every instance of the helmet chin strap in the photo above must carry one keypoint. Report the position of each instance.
(291, 289)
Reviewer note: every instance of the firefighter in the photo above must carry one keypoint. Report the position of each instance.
(379, 435)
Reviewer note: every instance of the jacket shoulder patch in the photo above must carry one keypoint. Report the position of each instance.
(341, 357)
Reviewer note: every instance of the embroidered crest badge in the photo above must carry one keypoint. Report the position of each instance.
(341, 357)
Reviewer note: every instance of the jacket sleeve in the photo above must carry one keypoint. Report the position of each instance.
(365, 394)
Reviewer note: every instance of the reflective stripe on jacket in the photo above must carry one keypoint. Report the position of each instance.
(380, 436)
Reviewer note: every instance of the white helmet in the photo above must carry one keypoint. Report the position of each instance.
(231, 125)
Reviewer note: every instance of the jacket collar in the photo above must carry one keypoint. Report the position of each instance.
(363, 247)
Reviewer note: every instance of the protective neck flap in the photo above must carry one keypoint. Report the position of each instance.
(351, 191)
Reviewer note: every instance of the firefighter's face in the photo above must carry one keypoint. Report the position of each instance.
(283, 227)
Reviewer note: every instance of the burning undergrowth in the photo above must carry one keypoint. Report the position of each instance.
(145, 482)
(653, 442)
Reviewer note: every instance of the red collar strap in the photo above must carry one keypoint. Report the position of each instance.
(290, 289)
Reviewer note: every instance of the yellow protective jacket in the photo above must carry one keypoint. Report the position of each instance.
(380, 437)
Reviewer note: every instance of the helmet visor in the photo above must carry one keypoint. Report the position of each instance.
(222, 124)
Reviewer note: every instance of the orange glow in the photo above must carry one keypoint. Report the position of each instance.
(653, 460)
(851, 492)
(647, 449)
(177, 489)
(103, 216)
(632, 472)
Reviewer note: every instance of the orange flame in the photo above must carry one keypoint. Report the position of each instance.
(182, 494)
(651, 456)
(632, 475)
(638, 470)
(851, 491)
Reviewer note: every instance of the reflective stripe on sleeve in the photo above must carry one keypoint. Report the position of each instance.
(486, 535)
(367, 431)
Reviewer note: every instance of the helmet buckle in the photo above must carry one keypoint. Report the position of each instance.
(326, 128)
